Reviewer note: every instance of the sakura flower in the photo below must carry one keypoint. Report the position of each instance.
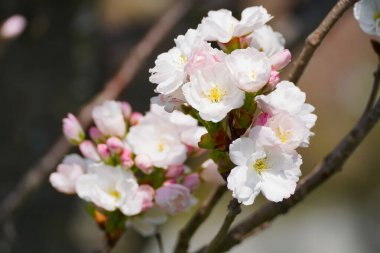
(203, 57)
(210, 174)
(169, 102)
(110, 188)
(138, 201)
(174, 198)
(169, 71)
(157, 138)
(367, 13)
(191, 181)
(64, 179)
(290, 131)
(266, 40)
(213, 93)
(262, 166)
(72, 129)
(186, 43)
(288, 98)
(249, 68)
(146, 224)
(109, 119)
(222, 26)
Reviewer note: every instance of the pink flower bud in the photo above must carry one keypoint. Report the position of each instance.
(174, 171)
(148, 195)
(281, 59)
(115, 145)
(262, 119)
(144, 163)
(13, 26)
(104, 152)
(96, 135)
(135, 118)
(126, 159)
(72, 129)
(191, 181)
(173, 198)
(274, 79)
(169, 182)
(88, 150)
(210, 173)
(126, 109)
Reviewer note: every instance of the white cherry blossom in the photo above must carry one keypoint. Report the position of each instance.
(222, 26)
(109, 118)
(288, 98)
(262, 166)
(367, 13)
(213, 93)
(266, 40)
(249, 68)
(111, 188)
(64, 179)
(146, 223)
(159, 138)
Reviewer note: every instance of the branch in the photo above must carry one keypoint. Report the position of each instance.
(197, 219)
(332, 163)
(315, 38)
(37, 174)
(233, 210)
(376, 80)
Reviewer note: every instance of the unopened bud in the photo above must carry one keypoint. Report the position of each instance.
(126, 109)
(96, 135)
(174, 171)
(135, 118)
(281, 59)
(89, 151)
(72, 129)
(115, 145)
(191, 181)
(144, 163)
(104, 152)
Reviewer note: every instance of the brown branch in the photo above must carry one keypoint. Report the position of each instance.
(37, 174)
(316, 37)
(332, 163)
(197, 219)
(233, 210)
(376, 80)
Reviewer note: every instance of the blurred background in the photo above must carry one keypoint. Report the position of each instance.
(69, 49)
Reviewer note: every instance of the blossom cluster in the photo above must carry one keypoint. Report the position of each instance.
(226, 74)
(133, 166)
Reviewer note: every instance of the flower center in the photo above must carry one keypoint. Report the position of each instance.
(216, 94)
(253, 74)
(283, 136)
(161, 147)
(183, 58)
(114, 194)
(260, 165)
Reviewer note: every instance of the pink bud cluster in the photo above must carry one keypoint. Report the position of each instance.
(121, 166)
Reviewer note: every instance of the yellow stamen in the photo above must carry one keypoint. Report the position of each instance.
(260, 165)
(283, 136)
(161, 147)
(216, 94)
(183, 58)
(376, 17)
(253, 74)
(114, 193)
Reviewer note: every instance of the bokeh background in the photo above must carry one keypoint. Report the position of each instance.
(69, 49)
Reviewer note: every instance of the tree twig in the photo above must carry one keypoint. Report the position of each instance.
(376, 80)
(197, 219)
(316, 37)
(233, 210)
(36, 175)
(332, 163)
